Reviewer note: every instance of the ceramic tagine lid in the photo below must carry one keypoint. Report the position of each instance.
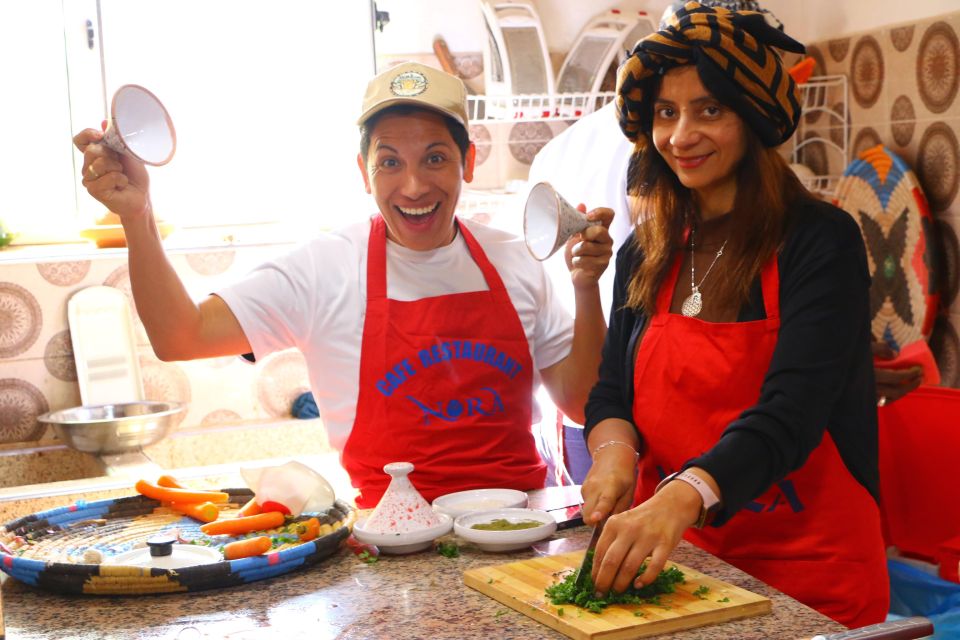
(163, 552)
(401, 509)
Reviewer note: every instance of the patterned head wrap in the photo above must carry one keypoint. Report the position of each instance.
(734, 56)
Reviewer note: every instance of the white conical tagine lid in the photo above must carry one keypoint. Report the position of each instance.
(401, 509)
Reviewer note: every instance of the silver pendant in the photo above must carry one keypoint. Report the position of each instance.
(693, 304)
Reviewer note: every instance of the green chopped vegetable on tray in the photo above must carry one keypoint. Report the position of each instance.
(448, 549)
(565, 592)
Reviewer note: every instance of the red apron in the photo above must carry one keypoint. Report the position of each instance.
(445, 383)
(816, 534)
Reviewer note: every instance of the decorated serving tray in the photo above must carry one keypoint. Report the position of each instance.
(62, 549)
(884, 196)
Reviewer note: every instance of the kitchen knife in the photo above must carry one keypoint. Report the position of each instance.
(581, 573)
(904, 629)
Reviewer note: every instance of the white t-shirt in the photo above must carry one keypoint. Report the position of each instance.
(587, 163)
(314, 299)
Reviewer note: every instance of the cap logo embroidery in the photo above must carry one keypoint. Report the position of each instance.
(408, 84)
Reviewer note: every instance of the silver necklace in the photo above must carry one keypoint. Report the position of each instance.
(694, 302)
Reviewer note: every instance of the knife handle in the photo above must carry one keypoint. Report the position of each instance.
(904, 629)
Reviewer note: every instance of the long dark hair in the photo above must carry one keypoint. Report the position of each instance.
(766, 188)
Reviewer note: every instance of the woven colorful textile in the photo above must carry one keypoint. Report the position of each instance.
(882, 194)
(54, 549)
(735, 56)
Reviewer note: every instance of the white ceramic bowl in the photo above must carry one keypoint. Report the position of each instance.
(399, 543)
(463, 502)
(507, 540)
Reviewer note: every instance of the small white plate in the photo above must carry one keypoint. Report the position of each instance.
(508, 540)
(463, 502)
(399, 543)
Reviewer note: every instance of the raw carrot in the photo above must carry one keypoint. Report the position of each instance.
(237, 526)
(202, 511)
(249, 509)
(166, 494)
(248, 547)
(170, 482)
(309, 530)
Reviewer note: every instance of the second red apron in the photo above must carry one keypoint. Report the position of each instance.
(816, 534)
(445, 383)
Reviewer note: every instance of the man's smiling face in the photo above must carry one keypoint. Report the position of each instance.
(415, 172)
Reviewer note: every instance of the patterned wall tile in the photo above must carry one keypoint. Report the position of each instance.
(861, 139)
(64, 274)
(482, 140)
(839, 49)
(165, 381)
(948, 255)
(21, 320)
(945, 344)
(280, 379)
(866, 76)
(210, 263)
(901, 37)
(903, 120)
(21, 401)
(938, 164)
(527, 138)
(938, 66)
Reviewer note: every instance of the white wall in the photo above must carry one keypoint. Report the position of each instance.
(811, 20)
(414, 23)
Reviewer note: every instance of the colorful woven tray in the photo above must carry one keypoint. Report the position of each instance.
(52, 549)
(883, 195)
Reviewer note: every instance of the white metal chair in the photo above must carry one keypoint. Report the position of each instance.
(602, 43)
(515, 57)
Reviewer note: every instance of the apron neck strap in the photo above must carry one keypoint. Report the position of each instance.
(377, 259)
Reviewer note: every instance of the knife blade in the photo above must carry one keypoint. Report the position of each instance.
(581, 574)
(903, 629)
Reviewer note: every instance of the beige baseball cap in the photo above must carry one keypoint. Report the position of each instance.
(416, 84)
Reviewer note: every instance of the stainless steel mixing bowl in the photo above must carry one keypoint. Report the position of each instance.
(113, 428)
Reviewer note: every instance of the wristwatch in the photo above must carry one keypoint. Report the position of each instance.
(710, 501)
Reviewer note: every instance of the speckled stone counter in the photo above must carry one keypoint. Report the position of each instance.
(416, 596)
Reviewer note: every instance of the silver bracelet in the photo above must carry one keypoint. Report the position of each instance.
(613, 442)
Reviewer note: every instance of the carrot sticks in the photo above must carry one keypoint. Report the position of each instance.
(249, 509)
(167, 494)
(248, 547)
(238, 526)
(202, 511)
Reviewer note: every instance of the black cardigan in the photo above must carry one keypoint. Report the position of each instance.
(820, 376)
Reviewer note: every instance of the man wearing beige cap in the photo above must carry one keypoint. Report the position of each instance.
(425, 336)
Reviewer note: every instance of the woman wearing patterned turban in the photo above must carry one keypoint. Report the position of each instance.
(736, 405)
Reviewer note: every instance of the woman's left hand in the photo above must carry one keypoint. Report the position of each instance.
(588, 253)
(651, 530)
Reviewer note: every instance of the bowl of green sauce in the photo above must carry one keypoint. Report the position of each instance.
(505, 529)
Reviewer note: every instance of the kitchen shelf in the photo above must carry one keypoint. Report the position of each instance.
(821, 142)
(535, 107)
(822, 138)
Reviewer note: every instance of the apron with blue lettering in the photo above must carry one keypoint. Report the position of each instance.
(445, 383)
(816, 534)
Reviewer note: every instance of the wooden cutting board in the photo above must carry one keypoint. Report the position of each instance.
(520, 586)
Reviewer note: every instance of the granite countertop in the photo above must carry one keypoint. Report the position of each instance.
(416, 596)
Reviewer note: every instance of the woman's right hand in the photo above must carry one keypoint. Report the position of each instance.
(119, 182)
(609, 485)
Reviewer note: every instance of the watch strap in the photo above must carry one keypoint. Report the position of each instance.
(709, 500)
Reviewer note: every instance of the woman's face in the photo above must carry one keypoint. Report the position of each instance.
(702, 140)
